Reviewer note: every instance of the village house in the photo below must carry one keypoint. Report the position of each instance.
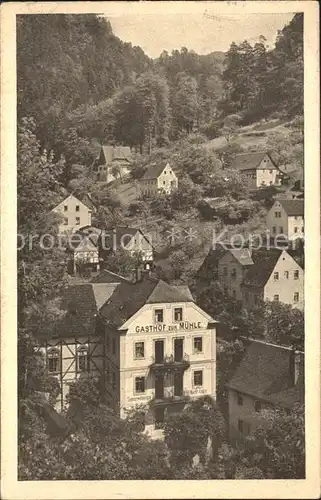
(286, 217)
(275, 275)
(112, 163)
(75, 214)
(257, 169)
(232, 268)
(158, 179)
(130, 239)
(84, 250)
(268, 376)
(208, 207)
(147, 341)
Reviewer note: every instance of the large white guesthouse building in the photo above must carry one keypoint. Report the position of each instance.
(148, 341)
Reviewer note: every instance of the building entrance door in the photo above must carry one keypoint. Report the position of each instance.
(159, 351)
(178, 384)
(178, 349)
(159, 386)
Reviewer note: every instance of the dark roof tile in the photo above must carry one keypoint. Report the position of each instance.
(264, 263)
(293, 207)
(265, 373)
(249, 161)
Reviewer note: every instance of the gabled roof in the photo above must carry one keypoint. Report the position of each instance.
(120, 235)
(249, 161)
(87, 200)
(242, 255)
(264, 262)
(81, 304)
(86, 236)
(67, 197)
(211, 261)
(154, 171)
(129, 297)
(264, 373)
(86, 245)
(107, 276)
(113, 153)
(215, 202)
(293, 207)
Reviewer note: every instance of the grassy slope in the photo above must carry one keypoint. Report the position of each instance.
(247, 137)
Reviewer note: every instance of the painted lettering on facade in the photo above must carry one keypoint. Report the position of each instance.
(183, 325)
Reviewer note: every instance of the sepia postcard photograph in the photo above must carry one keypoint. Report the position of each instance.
(160, 238)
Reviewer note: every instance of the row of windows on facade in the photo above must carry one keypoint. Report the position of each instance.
(276, 275)
(139, 351)
(77, 221)
(54, 361)
(159, 315)
(257, 403)
(281, 229)
(140, 382)
(296, 275)
(77, 208)
(278, 215)
(276, 297)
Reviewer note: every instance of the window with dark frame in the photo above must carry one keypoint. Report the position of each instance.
(198, 378)
(276, 276)
(139, 350)
(258, 405)
(178, 314)
(66, 221)
(240, 425)
(159, 316)
(296, 297)
(77, 221)
(65, 208)
(296, 275)
(240, 399)
(140, 384)
(53, 361)
(82, 361)
(276, 297)
(198, 344)
(77, 208)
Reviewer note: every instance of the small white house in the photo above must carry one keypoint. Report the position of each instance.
(158, 179)
(286, 217)
(257, 168)
(75, 213)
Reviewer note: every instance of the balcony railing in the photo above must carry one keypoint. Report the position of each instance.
(169, 397)
(169, 363)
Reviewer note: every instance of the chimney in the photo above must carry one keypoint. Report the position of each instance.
(295, 366)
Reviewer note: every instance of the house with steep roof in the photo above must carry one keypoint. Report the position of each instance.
(158, 178)
(130, 239)
(112, 163)
(147, 341)
(232, 268)
(268, 376)
(257, 168)
(275, 275)
(286, 217)
(74, 213)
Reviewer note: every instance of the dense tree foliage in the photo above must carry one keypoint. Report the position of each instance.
(258, 81)
(80, 86)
